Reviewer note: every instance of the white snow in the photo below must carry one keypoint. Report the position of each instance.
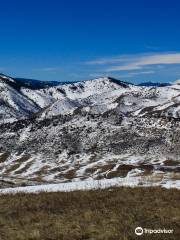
(88, 185)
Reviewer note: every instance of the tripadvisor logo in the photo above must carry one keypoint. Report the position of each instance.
(139, 231)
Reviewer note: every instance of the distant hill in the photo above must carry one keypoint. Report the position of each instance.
(154, 84)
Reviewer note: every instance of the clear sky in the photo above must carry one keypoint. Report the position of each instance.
(69, 40)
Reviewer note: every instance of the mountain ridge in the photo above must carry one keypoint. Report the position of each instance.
(53, 98)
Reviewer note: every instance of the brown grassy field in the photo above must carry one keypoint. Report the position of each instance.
(110, 214)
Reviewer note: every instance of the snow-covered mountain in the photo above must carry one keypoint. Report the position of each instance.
(13, 104)
(96, 129)
(22, 99)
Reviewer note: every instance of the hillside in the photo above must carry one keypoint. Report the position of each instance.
(90, 130)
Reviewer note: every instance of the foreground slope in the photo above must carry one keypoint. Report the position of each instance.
(108, 214)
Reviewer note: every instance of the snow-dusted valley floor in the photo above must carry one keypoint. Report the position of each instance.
(89, 134)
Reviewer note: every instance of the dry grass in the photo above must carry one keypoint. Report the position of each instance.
(110, 214)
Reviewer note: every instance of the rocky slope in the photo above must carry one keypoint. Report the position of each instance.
(97, 129)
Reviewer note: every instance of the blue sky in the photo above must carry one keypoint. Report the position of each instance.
(69, 40)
